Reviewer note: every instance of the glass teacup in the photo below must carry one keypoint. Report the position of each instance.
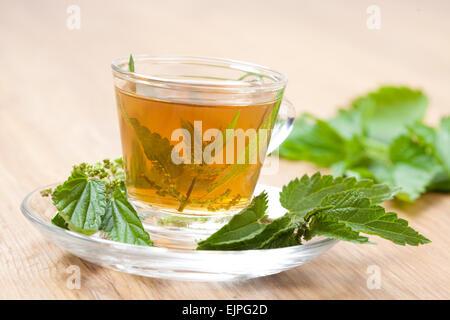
(195, 133)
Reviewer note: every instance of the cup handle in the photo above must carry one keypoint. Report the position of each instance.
(283, 125)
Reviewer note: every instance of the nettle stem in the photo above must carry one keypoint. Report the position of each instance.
(188, 194)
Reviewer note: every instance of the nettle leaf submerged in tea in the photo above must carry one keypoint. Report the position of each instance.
(172, 163)
(177, 173)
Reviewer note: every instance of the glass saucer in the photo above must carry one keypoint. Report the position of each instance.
(170, 263)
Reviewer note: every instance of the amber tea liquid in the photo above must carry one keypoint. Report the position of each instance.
(147, 125)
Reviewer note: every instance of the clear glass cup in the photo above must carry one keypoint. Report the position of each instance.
(195, 133)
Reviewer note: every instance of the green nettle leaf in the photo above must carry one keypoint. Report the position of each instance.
(440, 183)
(380, 137)
(367, 150)
(95, 198)
(324, 225)
(282, 232)
(81, 202)
(348, 123)
(313, 140)
(304, 195)
(122, 223)
(242, 226)
(131, 64)
(424, 134)
(443, 144)
(412, 169)
(248, 230)
(388, 112)
(360, 215)
(60, 222)
(437, 143)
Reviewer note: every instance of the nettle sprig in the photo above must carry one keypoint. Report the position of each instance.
(339, 208)
(94, 199)
(380, 136)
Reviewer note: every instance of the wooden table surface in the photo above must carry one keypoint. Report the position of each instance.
(57, 109)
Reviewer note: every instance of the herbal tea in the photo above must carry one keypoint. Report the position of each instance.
(194, 159)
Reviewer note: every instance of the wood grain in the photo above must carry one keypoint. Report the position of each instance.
(57, 109)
